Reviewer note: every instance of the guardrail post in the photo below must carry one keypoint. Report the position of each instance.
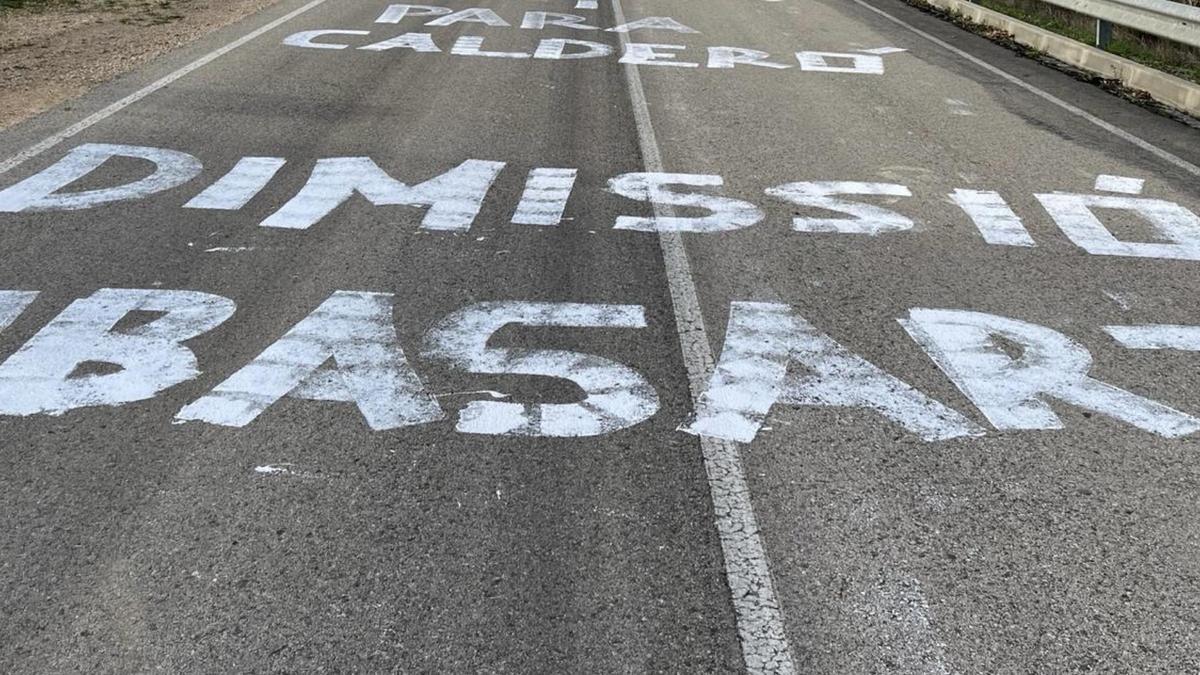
(1103, 33)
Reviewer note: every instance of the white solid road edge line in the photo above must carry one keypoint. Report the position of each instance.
(1074, 110)
(759, 617)
(37, 149)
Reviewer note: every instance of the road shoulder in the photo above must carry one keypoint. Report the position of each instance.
(57, 53)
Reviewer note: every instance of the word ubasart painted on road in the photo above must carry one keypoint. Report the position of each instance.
(347, 351)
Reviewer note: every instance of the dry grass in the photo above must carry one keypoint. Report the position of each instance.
(136, 12)
(55, 50)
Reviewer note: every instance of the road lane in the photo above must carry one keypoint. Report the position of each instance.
(313, 537)
(1018, 551)
(139, 544)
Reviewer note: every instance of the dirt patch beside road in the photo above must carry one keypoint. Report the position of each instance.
(54, 51)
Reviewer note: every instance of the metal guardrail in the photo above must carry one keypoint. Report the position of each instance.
(1172, 21)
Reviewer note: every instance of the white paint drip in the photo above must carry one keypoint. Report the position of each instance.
(114, 108)
(545, 197)
(235, 189)
(1122, 299)
(587, 4)
(1157, 336)
(759, 617)
(993, 217)
(1010, 391)
(269, 470)
(764, 339)
(229, 249)
(615, 396)
(1122, 184)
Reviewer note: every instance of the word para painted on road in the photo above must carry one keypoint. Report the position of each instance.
(453, 199)
(347, 351)
(859, 61)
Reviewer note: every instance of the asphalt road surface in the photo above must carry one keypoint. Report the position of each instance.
(797, 336)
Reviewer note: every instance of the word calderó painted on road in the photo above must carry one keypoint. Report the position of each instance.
(346, 350)
(454, 198)
(861, 61)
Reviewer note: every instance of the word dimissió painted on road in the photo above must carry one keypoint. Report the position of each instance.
(859, 61)
(347, 351)
(454, 199)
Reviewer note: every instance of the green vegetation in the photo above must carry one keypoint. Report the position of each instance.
(1135, 51)
(1178, 60)
(1042, 20)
